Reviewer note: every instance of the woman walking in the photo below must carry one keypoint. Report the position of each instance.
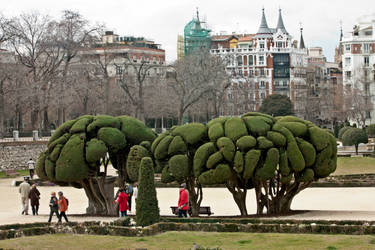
(34, 197)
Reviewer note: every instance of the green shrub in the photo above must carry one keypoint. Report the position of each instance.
(133, 162)
(269, 167)
(177, 146)
(354, 136)
(371, 130)
(192, 132)
(238, 162)
(264, 143)
(156, 142)
(308, 151)
(166, 176)
(179, 167)
(219, 175)
(319, 138)
(256, 125)
(56, 152)
(215, 131)
(80, 125)
(295, 157)
(283, 163)
(297, 128)
(201, 157)
(214, 159)
(246, 142)
(220, 120)
(342, 131)
(251, 161)
(135, 131)
(101, 121)
(71, 165)
(60, 131)
(226, 147)
(161, 150)
(235, 128)
(276, 138)
(95, 150)
(113, 139)
(147, 209)
(40, 167)
(306, 175)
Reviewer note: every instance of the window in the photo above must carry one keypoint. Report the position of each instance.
(239, 60)
(285, 83)
(261, 60)
(347, 47)
(118, 70)
(347, 61)
(251, 60)
(251, 72)
(348, 74)
(261, 45)
(262, 72)
(262, 84)
(279, 44)
(276, 83)
(262, 95)
(366, 48)
(366, 61)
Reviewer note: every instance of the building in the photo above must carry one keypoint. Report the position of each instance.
(358, 63)
(196, 36)
(266, 62)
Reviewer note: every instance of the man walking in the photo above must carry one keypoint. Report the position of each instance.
(31, 165)
(183, 201)
(63, 206)
(24, 190)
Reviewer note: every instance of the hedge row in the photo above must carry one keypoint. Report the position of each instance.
(259, 226)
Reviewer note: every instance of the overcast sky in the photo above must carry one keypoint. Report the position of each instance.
(163, 20)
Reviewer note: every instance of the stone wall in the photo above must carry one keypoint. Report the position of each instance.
(14, 155)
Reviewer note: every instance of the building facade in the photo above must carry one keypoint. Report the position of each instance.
(263, 63)
(358, 62)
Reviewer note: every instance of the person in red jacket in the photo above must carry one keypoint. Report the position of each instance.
(183, 201)
(122, 200)
(63, 206)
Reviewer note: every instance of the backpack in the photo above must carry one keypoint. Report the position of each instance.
(67, 201)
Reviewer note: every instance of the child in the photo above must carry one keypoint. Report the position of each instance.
(54, 207)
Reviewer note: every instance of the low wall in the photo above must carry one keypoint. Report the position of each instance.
(14, 155)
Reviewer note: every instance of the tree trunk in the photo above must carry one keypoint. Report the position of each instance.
(2, 108)
(356, 149)
(195, 195)
(100, 193)
(239, 197)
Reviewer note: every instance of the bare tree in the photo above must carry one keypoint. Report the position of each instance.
(195, 76)
(133, 77)
(33, 41)
(73, 33)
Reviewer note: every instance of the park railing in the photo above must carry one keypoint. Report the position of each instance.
(29, 136)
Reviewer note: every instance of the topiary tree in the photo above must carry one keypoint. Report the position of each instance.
(371, 130)
(174, 152)
(278, 157)
(342, 131)
(147, 210)
(354, 136)
(276, 105)
(78, 149)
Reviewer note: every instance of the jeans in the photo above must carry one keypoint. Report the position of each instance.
(182, 212)
(53, 210)
(35, 209)
(61, 215)
(123, 213)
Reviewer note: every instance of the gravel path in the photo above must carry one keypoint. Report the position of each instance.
(323, 203)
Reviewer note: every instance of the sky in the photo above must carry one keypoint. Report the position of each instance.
(163, 20)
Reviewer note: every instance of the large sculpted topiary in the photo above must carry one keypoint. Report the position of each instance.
(278, 157)
(174, 152)
(78, 148)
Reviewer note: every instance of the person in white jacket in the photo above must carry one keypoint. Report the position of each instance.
(24, 190)
(135, 195)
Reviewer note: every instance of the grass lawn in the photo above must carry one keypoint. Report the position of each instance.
(185, 240)
(22, 172)
(355, 165)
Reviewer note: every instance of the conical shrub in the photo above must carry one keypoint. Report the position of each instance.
(147, 211)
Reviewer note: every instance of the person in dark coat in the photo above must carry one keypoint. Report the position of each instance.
(54, 207)
(34, 197)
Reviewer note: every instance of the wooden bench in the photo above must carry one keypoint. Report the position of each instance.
(202, 210)
(10, 172)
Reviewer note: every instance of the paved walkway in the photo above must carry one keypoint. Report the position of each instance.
(323, 203)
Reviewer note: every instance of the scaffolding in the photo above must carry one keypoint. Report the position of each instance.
(195, 36)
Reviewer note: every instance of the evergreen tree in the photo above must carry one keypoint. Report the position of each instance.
(276, 105)
(147, 211)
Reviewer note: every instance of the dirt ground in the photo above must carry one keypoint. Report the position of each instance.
(323, 203)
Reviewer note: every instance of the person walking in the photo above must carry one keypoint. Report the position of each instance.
(122, 200)
(183, 201)
(31, 165)
(129, 192)
(135, 195)
(63, 206)
(24, 190)
(54, 207)
(34, 197)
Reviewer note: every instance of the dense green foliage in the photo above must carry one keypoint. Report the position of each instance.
(354, 136)
(147, 209)
(75, 149)
(276, 105)
(342, 131)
